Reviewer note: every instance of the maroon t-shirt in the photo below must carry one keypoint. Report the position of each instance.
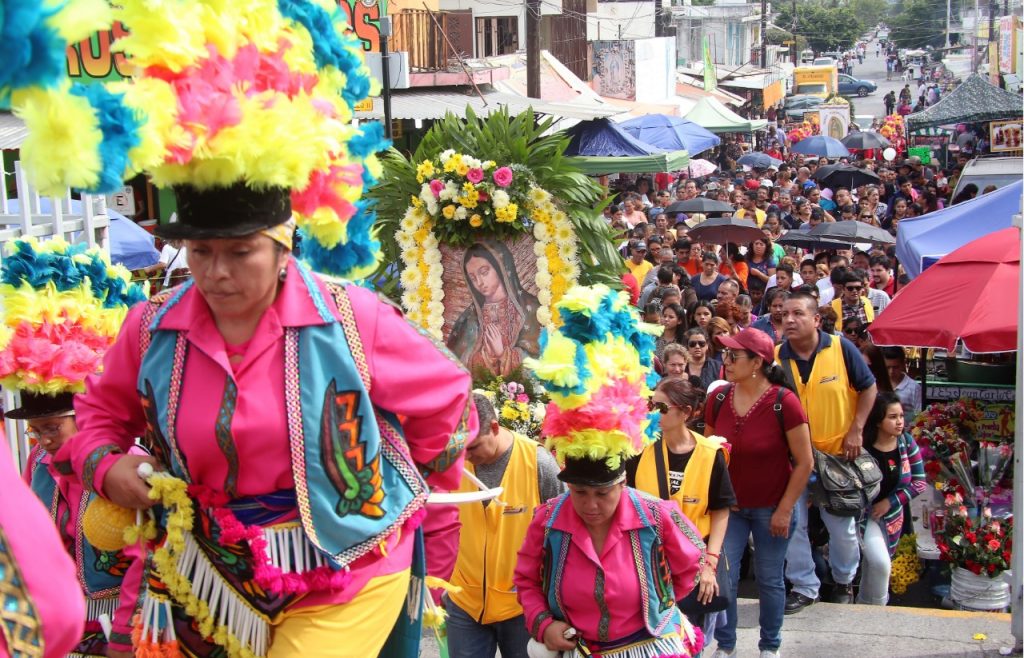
(759, 464)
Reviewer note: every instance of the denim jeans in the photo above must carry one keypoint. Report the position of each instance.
(467, 638)
(843, 550)
(874, 573)
(769, 556)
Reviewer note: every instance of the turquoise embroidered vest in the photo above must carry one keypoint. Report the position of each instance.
(657, 595)
(99, 572)
(354, 477)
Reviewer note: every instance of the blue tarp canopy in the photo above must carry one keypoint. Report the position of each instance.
(672, 133)
(923, 240)
(603, 147)
(130, 244)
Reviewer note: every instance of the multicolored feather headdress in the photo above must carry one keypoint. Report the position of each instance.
(597, 369)
(253, 97)
(63, 306)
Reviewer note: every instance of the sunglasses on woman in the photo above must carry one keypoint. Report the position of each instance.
(697, 343)
(661, 407)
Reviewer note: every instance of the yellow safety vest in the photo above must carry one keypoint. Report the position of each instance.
(828, 398)
(692, 496)
(869, 310)
(491, 537)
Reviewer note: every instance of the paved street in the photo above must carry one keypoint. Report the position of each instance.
(873, 69)
(841, 631)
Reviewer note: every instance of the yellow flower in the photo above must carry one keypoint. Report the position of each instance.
(424, 170)
(448, 211)
(461, 168)
(508, 412)
(476, 221)
(415, 201)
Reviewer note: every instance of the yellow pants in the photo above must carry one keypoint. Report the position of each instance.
(357, 629)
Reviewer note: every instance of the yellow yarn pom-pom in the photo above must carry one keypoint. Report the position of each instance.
(104, 524)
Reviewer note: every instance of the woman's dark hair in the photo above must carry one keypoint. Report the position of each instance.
(697, 331)
(876, 363)
(882, 403)
(652, 307)
(969, 192)
(681, 328)
(682, 392)
(693, 310)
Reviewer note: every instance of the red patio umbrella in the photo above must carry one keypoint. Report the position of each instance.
(970, 294)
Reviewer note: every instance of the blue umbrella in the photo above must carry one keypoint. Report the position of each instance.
(758, 160)
(822, 146)
(130, 244)
(672, 133)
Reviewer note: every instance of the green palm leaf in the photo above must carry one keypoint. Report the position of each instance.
(521, 139)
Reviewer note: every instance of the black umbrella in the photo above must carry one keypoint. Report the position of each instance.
(865, 140)
(758, 160)
(803, 240)
(722, 230)
(844, 175)
(852, 231)
(700, 204)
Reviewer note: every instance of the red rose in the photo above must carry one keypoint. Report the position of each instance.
(1006, 556)
(989, 537)
(975, 569)
(991, 569)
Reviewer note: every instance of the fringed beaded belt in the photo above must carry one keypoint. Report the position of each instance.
(222, 575)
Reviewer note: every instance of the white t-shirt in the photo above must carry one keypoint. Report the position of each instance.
(174, 259)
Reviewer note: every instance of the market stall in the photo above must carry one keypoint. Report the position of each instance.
(974, 101)
(967, 305)
(602, 146)
(711, 114)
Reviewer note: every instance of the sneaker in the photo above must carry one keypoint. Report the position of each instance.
(770, 653)
(842, 594)
(724, 653)
(795, 602)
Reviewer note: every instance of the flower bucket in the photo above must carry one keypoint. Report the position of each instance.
(979, 593)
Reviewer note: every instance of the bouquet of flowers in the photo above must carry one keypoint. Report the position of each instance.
(981, 544)
(520, 407)
(893, 130)
(906, 566)
(941, 431)
(803, 131)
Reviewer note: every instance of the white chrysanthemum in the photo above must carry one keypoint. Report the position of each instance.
(500, 198)
(405, 241)
(431, 256)
(435, 309)
(430, 243)
(431, 206)
(435, 271)
(538, 249)
(541, 232)
(543, 316)
(544, 297)
(461, 212)
(447, 154)
(543, 278)
(411, 278)
(539, 196)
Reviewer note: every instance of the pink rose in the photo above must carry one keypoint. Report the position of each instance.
(503, 176)
(475, 175)
(993, 545)
(436, 186)
(522, 397)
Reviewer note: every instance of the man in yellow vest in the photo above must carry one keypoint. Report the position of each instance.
(748, 208)
(853, 302)
(485, 615)
(837, 391)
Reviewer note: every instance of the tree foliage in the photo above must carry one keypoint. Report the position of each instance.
(777, 37)
(826, 24)
(917, 23)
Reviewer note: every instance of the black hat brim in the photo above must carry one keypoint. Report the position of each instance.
(34, 405)
(226, 212)
(591, 472)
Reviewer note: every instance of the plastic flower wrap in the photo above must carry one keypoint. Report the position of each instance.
(520, 406)
(906, 566)
(941, 431)
(596, 367)
(259, 93)
(63, 306)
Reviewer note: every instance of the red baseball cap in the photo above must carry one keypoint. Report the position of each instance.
(753, 340)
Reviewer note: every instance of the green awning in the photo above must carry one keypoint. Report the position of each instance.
(640, 164)
(709, 113)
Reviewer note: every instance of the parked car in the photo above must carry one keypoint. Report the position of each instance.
(989, 170)
(851, 86)
(824, 61)
(795, 106)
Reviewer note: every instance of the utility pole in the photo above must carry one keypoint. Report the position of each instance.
(796, 47)
(658, 28)
(764, 34)
(949, 12)
(385, 73)
(974, 37)
(533, 48)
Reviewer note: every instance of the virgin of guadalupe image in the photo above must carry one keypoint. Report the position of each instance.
(500, 327)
